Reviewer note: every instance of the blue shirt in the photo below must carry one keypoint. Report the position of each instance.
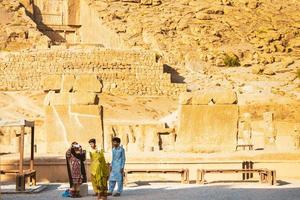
(117, 163)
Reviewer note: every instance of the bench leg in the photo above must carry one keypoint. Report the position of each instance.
(28, 180)
(198, 177)
(20, 183)
(273, 174)
(270, 177)
(260, 177)
(244, 167)
(187, 176)
(263, 175)
(33, 179)
(202, 178)
(183, 177)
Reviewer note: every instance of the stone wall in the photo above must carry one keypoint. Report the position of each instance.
(121, 72)
(208, 121)
(67, 123)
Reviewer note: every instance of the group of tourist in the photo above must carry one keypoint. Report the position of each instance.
(101, 171)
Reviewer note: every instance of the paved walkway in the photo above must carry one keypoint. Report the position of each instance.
(175, 191)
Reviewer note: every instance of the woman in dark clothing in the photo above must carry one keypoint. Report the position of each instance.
(75, 166)
(68, 156)
(81, 157)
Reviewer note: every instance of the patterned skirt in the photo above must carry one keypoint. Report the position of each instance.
(75, 170)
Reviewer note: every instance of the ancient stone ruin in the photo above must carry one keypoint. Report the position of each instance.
(166, 76)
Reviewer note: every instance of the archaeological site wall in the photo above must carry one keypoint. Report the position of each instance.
(211, 121)
(120, 72)
(272, 126)
(73, 80)
(208, 121)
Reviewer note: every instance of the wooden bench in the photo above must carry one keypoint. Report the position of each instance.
(184, 173)
(29, 175)
(244, 146)
(266, 176)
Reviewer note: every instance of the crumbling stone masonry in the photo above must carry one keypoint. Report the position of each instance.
(120, 72)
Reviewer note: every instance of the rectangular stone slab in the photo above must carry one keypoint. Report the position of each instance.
(207, 128)
(67, 123)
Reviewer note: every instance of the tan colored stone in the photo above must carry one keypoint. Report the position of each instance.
(67, 123)
(202, 98)
(224, 96)
(202, 16)
(87, 83)
(84, 98)
(269, 71)
(146, 2)
(48, 98)
(67, 83)
(205, 128)
(156, 2)
(185, 98)
(51, 82)
(63, 98)
(257, 69)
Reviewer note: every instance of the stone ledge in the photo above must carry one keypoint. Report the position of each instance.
(206, 97)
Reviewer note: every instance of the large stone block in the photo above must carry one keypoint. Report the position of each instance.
(51, 82)
(63, 98)
(48, 98)
(84, 98)
(87, 83)
(67, 123)
(207, 128)
(224, 96)
(202, 98)
(67, 83)
(185, 98)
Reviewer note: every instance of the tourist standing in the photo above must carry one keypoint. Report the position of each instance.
(99, 171)
(117, 167)
(75, 168)
(68, 156)
(82, 158)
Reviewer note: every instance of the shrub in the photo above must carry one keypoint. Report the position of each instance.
(231, 60)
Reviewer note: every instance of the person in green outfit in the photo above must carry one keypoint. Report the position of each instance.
(99, 171)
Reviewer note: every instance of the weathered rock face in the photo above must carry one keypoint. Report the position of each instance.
(180, 25)
(199, 37)
(18, 31)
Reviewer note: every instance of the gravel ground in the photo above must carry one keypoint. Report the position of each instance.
(174, 191)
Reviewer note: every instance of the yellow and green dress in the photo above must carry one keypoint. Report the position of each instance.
(99, 172)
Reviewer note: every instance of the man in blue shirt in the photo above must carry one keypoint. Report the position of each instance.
(116, 167)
